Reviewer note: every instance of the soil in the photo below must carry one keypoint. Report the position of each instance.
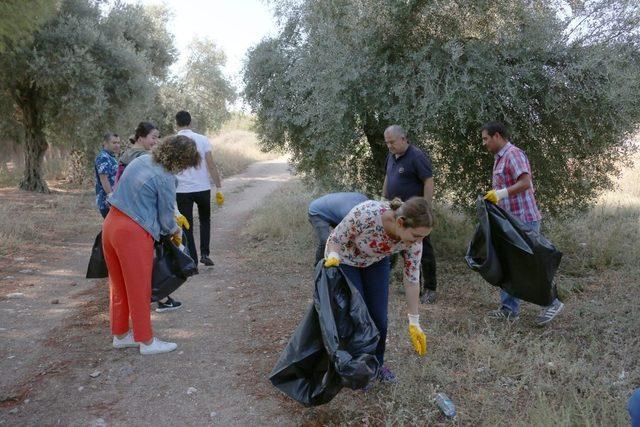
(56, 359)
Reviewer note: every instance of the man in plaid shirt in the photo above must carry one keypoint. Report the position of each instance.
(513, 191)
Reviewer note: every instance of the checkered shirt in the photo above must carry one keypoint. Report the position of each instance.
(510, 163)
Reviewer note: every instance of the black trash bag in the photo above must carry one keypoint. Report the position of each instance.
(333, 346)
(171, 268)
(512, 256)
(97, 268)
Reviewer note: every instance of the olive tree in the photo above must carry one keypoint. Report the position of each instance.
(86, 70)
(563, 76)
(200, 88)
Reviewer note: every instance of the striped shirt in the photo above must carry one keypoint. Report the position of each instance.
(510, 163)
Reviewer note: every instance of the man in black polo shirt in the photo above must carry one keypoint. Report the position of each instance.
(409, 174)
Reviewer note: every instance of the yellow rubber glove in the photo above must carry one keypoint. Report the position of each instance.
(219, 198)
(177, 238)
(182, 221)
(332, 260)
(494, 196)
(417, 335)
(491, 196)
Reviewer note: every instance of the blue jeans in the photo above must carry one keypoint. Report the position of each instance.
(373, 284)
(510, 303)
(634, 408)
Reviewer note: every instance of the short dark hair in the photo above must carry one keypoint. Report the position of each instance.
(183, 118)
(107, 136)
(496, 127)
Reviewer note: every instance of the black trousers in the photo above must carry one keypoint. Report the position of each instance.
(185, 205)
(428, 263)
(428, 266)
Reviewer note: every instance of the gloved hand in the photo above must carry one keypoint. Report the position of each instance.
(332, 260)
(494, 196)
(177, 238)
(182, 221)
(219, 198)
(417, 335)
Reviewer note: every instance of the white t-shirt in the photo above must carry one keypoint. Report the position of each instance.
(195, 179)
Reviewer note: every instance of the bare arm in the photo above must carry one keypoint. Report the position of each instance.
(384, 188)
(427, 193)
(522, 185)
(213, 170)
(412, 293)
(104, 181)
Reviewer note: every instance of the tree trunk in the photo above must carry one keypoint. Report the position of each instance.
(374, 131)
(36, 145)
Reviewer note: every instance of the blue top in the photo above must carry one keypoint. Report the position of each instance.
(146, 193)
(105, 164)
(407, 173)
(335, 206)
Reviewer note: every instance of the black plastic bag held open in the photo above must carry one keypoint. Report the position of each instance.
(332, 347)
(171, 268)
(513, 257)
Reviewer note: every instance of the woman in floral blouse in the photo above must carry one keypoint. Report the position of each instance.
(361, 245)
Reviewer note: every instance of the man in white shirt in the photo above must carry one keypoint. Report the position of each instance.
(194, 187)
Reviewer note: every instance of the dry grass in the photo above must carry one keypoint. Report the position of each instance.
(235, 147)
(235, 150)
(33, 222)
(578, 371)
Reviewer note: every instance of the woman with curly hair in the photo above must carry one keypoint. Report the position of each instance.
(142, 209)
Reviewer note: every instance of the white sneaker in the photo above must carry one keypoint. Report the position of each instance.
(157, 346)
(125, 342)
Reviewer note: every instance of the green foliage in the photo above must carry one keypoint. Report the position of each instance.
(564, 76)
(85, 72)
(20, 18)
(201, 88)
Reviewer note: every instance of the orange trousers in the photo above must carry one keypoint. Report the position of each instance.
(128, 251)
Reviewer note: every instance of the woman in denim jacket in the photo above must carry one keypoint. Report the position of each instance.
(142, 209)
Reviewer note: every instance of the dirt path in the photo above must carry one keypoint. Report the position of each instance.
(58, 367)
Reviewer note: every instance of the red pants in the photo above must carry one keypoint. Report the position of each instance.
(128, 251)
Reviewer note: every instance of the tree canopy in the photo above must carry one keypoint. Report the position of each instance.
(20, 18)
(563, 76)
(92, 66)
(200, 88)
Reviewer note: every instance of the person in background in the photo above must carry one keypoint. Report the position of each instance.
(409, 174)
(194, 187)
(327, 211)
(145, 137)
(361, 244)
(513, 191)
(142, 209)
(105, 167)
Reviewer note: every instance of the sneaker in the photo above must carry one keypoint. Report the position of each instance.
(385, 375)
(503, 314)
(206, 260)
(169, 305)
(429, 297)
(157, 346)
(549, 313)
(125, 342)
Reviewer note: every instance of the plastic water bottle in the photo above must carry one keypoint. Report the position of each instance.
(446, 405)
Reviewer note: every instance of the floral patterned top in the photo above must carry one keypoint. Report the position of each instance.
(360, 240)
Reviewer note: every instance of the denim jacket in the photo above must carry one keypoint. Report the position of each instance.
(146, 193)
